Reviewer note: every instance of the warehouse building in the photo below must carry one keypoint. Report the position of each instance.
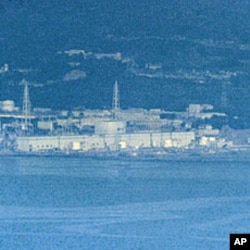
(111, 142)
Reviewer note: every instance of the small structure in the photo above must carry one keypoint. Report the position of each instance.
(8, 106)
(110, 127)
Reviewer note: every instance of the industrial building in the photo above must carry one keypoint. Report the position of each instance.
(100, 142)
(109, 134)
(112, 130)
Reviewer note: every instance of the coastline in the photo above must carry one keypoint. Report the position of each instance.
(140, 155)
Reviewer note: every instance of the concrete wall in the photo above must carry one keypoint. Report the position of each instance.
(101, 142)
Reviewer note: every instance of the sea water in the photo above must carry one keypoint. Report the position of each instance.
(83, 203)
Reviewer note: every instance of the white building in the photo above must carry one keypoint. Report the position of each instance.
(105, 141)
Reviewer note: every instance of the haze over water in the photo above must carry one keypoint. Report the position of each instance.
(79, 203)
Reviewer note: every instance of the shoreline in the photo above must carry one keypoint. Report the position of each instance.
(144, 155)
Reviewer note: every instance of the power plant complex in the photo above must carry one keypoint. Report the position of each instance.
(112, 131)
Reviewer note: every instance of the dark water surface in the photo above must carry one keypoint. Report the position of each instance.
(77, 203)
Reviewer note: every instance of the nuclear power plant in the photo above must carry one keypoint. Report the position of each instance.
(40, 131)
